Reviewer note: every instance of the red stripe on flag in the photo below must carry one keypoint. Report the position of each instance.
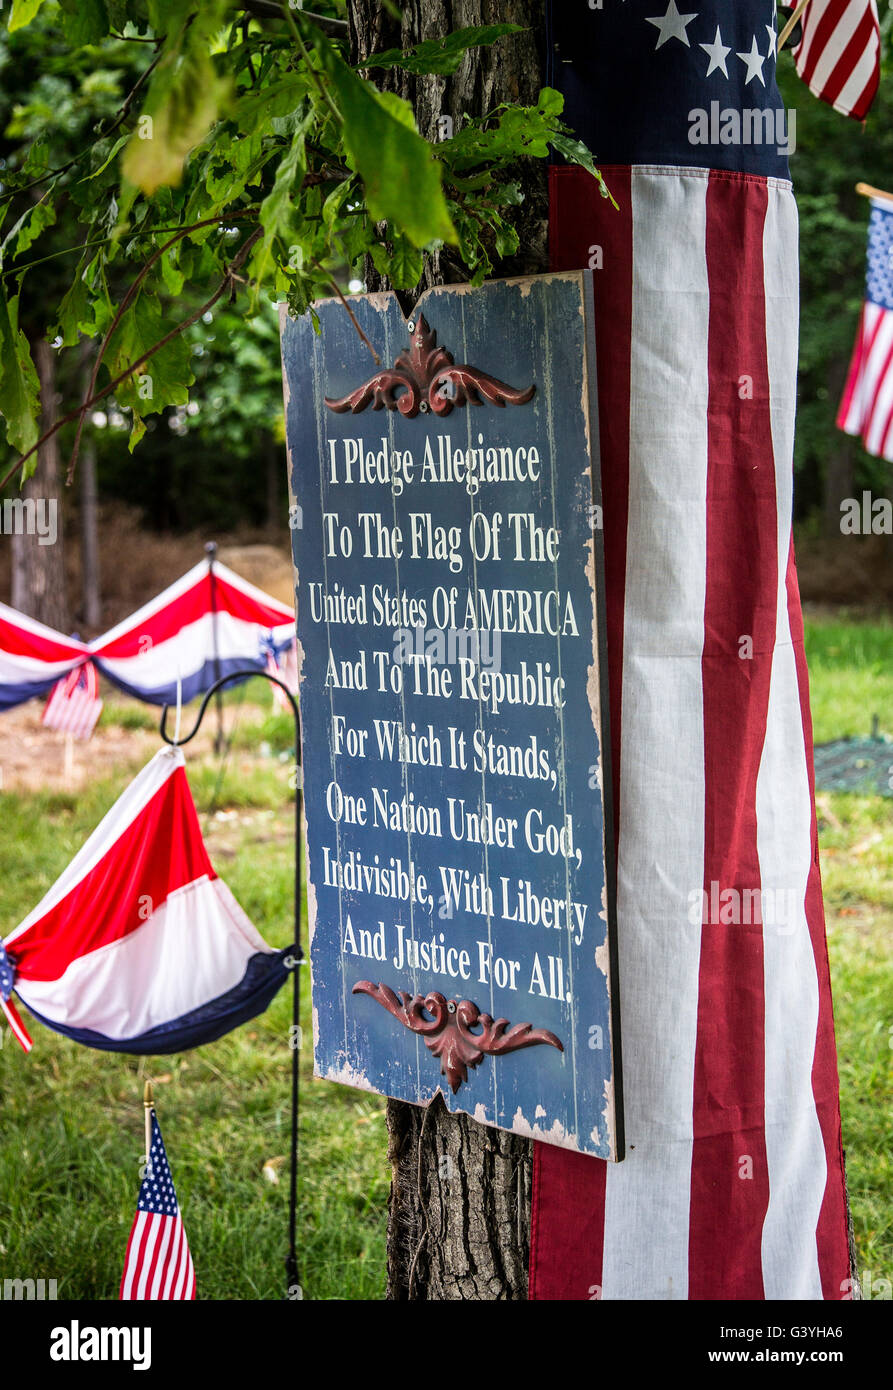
(131, 881)
(567, 1232)
(817, 34)
(880, 383)
(861, 350)
(832, 1231)
(160, 1256)
(728, 1209)
(175, 1255)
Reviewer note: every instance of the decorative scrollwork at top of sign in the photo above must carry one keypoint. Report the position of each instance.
(425, 378)
(447, 1032)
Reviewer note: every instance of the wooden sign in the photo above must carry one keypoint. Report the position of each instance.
(447, 547)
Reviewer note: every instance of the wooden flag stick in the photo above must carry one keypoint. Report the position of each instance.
(149, 1105)
(868, 191)
(789, 27)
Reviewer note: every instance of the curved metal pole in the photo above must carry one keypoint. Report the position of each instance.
(293, 961)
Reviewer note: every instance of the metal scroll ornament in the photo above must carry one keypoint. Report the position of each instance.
(425, 378)
(446, 1028)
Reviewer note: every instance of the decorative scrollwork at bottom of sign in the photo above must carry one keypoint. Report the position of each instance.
(446, 1028)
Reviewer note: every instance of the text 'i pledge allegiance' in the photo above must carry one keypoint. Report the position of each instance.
(441, 463)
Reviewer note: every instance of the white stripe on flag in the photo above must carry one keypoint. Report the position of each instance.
(832, 53)
(860, 78)
(174, 1260)
(873, 365)
(795, 1148)
(661, 857)
(132, 1266)
(817, 8)
(873, 434)
(146, 1263)
(167, 1230)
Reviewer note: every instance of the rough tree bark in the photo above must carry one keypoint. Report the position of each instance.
(38, 570)
(459, 1218)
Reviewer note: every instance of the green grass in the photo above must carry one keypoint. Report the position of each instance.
(851, 671)
(71, 1119)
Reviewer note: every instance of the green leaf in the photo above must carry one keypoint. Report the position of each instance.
(406, 264)
(74, 312)
(166, 377)
(276, 208)
(23, 11)
(30, 225)
(402, 178)
(444, 55)
(506, 239)
(19, 386)
(84, 21)
(184, 97)
(575, 152)
(255, 109)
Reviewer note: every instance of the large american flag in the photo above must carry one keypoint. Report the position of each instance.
(733, 1184)
(867, 405)
(839, 53)
(158, 1264)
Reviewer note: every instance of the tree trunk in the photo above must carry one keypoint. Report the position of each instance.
(459, 1216)
(38, 566)
(90, 591)
(841, 461)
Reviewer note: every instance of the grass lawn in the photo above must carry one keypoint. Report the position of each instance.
(71, 1121)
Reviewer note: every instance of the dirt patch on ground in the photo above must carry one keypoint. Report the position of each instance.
(33, 758)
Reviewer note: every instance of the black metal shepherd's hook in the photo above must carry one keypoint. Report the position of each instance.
(293, 961)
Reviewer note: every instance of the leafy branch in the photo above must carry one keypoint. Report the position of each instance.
(227, 283)
(238, 111)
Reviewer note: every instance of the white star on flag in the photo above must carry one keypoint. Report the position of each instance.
(754, 60)
(672, 25)
(717, 53)
(773, 41)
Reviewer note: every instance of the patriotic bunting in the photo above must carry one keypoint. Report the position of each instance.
(139, 947)
(32, 657)
(210, 623)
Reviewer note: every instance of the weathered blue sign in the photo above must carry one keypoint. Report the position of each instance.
(446, 528)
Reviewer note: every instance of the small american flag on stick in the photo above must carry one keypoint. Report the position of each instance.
(74, 704)
(867, 405)
(158, 1264)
